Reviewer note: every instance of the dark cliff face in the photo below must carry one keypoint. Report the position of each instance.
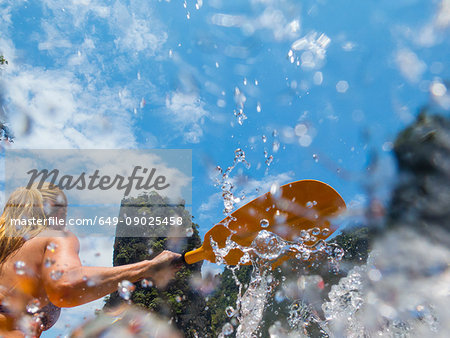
(181, 300)
(421, 198)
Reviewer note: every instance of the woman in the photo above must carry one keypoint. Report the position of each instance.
(40, 270)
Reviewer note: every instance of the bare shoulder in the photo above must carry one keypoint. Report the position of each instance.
(62, 239)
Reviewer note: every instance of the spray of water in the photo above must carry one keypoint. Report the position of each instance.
(263, 252)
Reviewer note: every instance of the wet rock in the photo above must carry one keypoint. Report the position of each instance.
(421, 199)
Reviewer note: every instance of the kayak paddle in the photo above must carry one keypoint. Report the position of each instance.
(296, 206)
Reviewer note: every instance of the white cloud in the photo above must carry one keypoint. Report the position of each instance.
(51, 109)
(188, 114)
(96, 251)
(135, 33)
(280, 20)
(443, 16)
(76, 10)
(55, 38)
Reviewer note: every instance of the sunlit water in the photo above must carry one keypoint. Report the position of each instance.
(265, 249)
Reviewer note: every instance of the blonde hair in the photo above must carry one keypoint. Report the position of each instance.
(23, 205)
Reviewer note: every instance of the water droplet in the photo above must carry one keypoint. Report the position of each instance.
(145, 283)
(325, 232)
(438, 89)
(245, 81)
(306, 255)
(56, 274)
(309, 204)
(300, 129)
(315, 231)
(264, 223)
(125, 289)
(258, 107)
(48, 262)
(189, 232)
(335, 252)
(275, 146)
(305, 140)
(239, 155)
(19, 267)
(320, 245)
(52, 247)
(264, 139)
(318, 78)
(178, 299)
(229, 311)
(227, 329)
(268, 245)
(33, 306)
(240, 116)
(374, 275)
(316, 158)
(275, 189)
(342, 86)
(150, 251)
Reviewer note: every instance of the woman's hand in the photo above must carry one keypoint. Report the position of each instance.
(163, 267)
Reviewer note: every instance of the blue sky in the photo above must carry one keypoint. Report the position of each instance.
(331, 82)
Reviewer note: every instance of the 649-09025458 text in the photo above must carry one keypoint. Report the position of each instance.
(102, 221)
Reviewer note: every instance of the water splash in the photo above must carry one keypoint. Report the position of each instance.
(302, 317)
(264, 250)
(402, 291)
(226, 184)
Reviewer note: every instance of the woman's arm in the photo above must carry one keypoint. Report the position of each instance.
(69, 284)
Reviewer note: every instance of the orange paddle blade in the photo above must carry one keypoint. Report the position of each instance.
(296, 206)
